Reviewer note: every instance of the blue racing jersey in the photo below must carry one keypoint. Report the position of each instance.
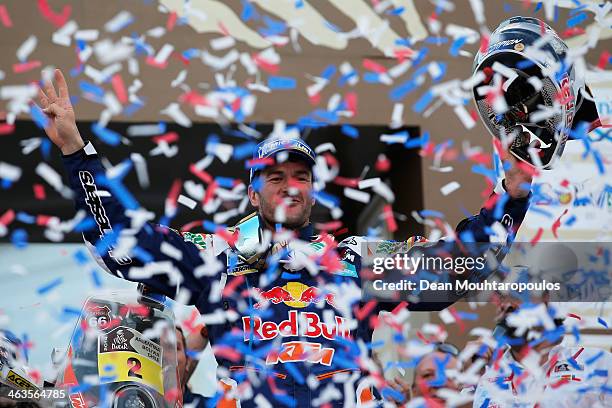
(290, 329)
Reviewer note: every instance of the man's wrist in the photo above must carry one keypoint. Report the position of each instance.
(515, 193)
(73, 147)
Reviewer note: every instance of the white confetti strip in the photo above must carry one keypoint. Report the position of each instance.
(464, 116)
(170, 250)
(144, 130)
(86, 35)
(25, 49)
(141, 169)
(449, 188)
(120, 21)
(187, 202)
(174, 111)
(222, 43)
(397, 138)
(396, 117)
(357, 195)
(10, 172)
(164, 53)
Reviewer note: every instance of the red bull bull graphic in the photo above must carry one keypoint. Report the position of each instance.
(294, 294)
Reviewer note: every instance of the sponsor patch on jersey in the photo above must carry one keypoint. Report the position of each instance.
(19, 381)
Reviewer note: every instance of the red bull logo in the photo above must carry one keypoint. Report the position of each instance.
(295, 294)
(305, 324)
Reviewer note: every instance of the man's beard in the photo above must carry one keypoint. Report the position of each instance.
(294, 222)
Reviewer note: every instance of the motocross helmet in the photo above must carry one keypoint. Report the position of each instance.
(526, 64)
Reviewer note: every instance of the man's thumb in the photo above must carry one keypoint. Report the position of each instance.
(52, 110)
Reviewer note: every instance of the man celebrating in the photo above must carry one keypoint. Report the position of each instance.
(278, 299)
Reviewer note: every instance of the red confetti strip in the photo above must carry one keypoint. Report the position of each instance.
(140, 310)
(210, 192)
(373, 66)
(193, 98)
(458, 319)
(525, 168)
(171, 22)
(265, 161)
(328, 226)
(191, 225)
(564, 183)
(119, 88)
(173, 194)
(201, 174)
(542, 27)
(474, 114)
(150, 60)
(224, 29)
(169, 137)
(315, 99)
(226, 352)
(383, 164)
(388, 214)
(173, 394)
(603, 59)
(537, 236)
(236, 104)
(43, 220)
(39, 191)
(572, 32)
(557, 224)
(402, 305)
(231, 286)
(351, 102)
(266, 66)
(365, 310)
(575, 316)
(25, 66)
(402, 54)
(57, 19)
(4, 17)
(228, 237)
(6, 128)
(484, 43)
(347, 182)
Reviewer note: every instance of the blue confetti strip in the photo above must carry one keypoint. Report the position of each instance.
(108, 136)
(19, 238)
(49, 286)
(602, 322)
(277, 82)
(91, 89)
(38, 116)
(425, 99)
(225, 182)
(576, 20)
(350, 131)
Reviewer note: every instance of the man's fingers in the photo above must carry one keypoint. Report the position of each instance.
(42, 99)
(62, 87)
(49, 90)
(52, 110)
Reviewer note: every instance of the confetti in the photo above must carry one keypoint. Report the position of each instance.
(449, 188)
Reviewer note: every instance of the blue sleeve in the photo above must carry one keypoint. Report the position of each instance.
(509, 212)
(157, 256)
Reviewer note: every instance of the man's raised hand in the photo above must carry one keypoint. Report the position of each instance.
(61, 126)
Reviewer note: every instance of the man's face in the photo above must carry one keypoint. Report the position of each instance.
(289, 186)
(428, 370)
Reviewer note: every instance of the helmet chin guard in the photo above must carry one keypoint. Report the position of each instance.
(526, 93)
